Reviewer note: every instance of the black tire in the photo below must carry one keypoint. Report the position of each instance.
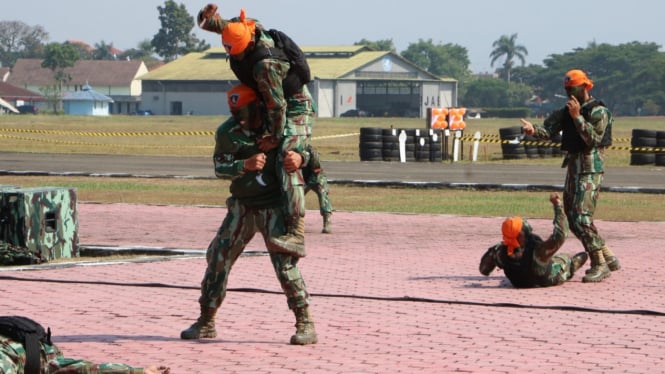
(641, 133)
(511, 151)
(659, 159)
(640, 158)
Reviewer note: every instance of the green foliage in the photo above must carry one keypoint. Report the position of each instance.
(443, 60)
(626, 76)
(18, 40)
(378, 45)
(491, 92)
(175, 38)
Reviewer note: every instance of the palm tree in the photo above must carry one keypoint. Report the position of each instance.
(506, 46)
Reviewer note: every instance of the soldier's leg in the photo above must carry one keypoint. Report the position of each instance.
(293, 186)
(297, 297)
(579, 198)
(236, 230)
(291, 281)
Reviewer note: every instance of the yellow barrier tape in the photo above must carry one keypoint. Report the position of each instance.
(53, 141)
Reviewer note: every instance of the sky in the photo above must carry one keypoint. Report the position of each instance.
(543, 27)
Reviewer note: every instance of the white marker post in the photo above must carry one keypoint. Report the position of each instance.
(476, 143)
(402, 146)
(456, 145)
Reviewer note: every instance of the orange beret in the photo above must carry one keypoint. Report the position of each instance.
(239, 96)
(511, 229)
(237, 35)
(577, 77)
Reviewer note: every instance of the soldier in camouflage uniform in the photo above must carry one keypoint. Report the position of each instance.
(290, 107)
(316, 180)
(13, 360)
(255, 206)
(586, 127)
(528, 260)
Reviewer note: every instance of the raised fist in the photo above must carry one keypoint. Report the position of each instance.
(206, 13)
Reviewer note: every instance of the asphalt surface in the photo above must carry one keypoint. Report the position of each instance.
(500, 175)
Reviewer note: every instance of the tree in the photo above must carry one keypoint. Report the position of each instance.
(57, 58)
(378, 45)
(443, 60)
(103, 51)
(174, 38)
(17, 40)
(506, 47)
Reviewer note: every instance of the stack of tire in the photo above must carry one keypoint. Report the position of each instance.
(383, 144)
(371, 144)
(642, 145)
(660, 144)
(511, 146)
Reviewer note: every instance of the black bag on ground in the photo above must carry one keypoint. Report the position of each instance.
(29, 333)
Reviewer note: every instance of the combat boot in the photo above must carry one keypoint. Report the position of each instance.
(293, 242)
(577, 261)
(599, 269)
(610, 259)
(305, 332)
(327, 223)
(204, 327)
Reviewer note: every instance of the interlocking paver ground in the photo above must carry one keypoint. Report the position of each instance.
(391, 293)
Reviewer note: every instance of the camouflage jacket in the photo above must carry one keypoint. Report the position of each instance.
(591, 130)
(12, 360)
(232, 146)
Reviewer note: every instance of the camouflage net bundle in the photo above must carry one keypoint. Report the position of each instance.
(13, 255)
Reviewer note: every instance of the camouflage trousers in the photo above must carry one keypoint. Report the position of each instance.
(293, 184)
(318, 182)
(12, 360)
(580, 196)
(238, 228)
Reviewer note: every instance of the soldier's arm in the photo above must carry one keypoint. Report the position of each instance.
(592, 131)
(549, 247)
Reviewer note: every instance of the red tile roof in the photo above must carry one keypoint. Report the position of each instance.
(94, 72)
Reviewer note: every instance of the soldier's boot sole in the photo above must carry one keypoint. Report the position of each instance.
(197, 331)
(597, 273)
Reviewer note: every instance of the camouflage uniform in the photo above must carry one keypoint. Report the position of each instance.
(289, 118)
(255, 206)
(316, 180)
(536, 267)
(12, 360)
(584, 174)
(252, 208)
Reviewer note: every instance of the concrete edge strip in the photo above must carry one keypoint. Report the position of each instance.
(360, 182)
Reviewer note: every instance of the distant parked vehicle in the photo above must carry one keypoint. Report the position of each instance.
(142, 112)
(356, 113)
(27, 109)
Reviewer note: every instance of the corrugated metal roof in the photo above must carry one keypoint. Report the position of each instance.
(326, 62)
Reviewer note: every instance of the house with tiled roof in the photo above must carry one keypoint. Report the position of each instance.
(344, 78)
(118, 80)
(20, 96)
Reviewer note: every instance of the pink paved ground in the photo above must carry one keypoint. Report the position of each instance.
(358, 275)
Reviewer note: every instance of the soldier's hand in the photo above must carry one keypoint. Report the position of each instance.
(554, 198)
(527, 127)
(573, 106)
(206, 14)
(256, 162)
(267, 143)
(292, 161)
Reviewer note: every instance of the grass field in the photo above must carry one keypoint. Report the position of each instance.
(336, 139)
